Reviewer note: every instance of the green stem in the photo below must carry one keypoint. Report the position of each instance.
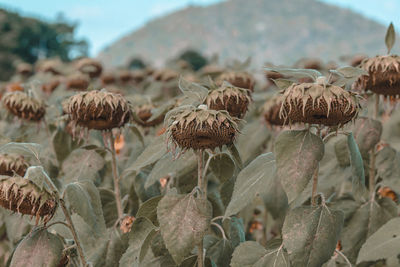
(373, 155)
(117, 191)
(70, 223)
(202, 184)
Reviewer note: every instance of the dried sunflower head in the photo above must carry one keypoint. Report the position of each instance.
(90, 67)
(24, 69)
(165, 75)
(24, 106)
(138, 76)
(23, 196)
(227, 97)
(98, 110)
(144, 112)
(125, 76)
(77, 81)
(271, 111)
(50, 86)
(200, 128)
(318, 103)
(50, 66)
(108, 78)
(12, 164)
(384, 75)
(239, 79)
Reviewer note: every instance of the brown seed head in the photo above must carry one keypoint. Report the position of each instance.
(90, 67)
(271, 111)
(12, 164)
(50, 86)
(165, 75)
(98, 110)
(24, 69)
(144, 112)
(200, 128)
(239, 79)
(77, 81)
(108, 78)
(314, 103)
(233, 99)
(384, 75)
(24, 106)
(21, 195)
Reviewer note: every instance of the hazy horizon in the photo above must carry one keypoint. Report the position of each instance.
(100, 27)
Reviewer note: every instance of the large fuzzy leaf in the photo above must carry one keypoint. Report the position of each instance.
(297, 155)
(222, 166)
(252, 254)
(383, 244)
(184, 220)
(40, 248)
(83, 198)
(141, 228)
(82, 164)
(357, 165)
(253, 180)
(310, 234)
(366, 220)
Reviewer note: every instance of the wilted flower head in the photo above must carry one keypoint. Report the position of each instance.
(239, 79)
(98, 110)
(90, 67)
(271, 111)
(384, 75)
(200, 128)
(23, 196)
(12, 164)
(24, 106)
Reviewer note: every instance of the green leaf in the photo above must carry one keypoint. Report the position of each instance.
(252, 254)
(220, 253)
(282, 83)
(141, 228)
(388, 167)
(275, 199)
(150, 155)
(234, 230)
(251, 181)
(62, 144)
(149, 209)
(390, 37)
(259, 136)
(37, 175)
(39, 248)
(82, 164)
(350, 72)
(222, 166)
(135, 131)
(109, 206)
(24, 149)
(383, 244)
(236, 156)
(110, 250)
(310, 234)
(367, 133)
(168, 166)
(297, 155)
(297, 73)
(342, 153)
(184, 221)
(193, 91)
(358, 180)
(367, 219)
(83, 198)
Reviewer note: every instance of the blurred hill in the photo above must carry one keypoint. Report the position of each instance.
(277, 31)
(25, 39)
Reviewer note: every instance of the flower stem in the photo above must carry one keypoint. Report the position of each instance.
(202, 184)
(70, 223)
(117, 191)
(315, 178)
(372, 158)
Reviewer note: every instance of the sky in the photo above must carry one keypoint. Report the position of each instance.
(103, 21)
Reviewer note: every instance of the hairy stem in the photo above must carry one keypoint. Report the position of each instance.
(202, 185)
(372, 157)
(117, 191)
(315, 178)
(73, 231)
(69, 224)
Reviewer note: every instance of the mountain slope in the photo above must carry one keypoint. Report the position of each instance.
(277, 31)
